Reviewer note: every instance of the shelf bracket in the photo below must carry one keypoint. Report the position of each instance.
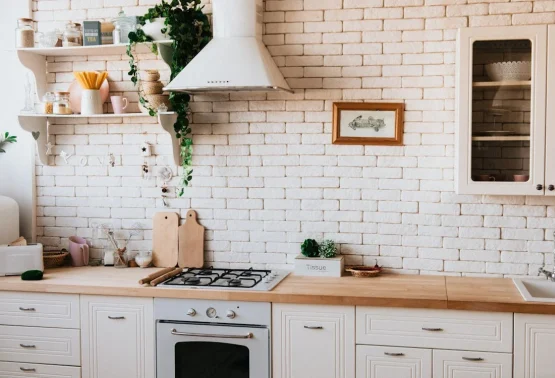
(38, 127)
(167, 120)
(37, 65)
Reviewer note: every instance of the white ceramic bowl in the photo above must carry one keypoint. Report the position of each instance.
(154, 29)
(505, 71)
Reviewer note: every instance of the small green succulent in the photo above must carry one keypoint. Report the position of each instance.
(328, 249)
(309, 248)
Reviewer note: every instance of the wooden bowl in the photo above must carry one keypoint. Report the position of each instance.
(152, 87)
(154, 101)
(364, 271)
(150, 75)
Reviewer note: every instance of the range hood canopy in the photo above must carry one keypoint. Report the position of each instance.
(236, 59)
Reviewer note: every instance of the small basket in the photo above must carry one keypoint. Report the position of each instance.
(364, 271)
(54, 259)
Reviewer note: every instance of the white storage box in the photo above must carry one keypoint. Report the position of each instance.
(316, 266)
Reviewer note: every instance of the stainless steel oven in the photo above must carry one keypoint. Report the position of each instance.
(212, 339)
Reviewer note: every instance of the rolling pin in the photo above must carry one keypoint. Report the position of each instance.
(155, 275)
(166, 276)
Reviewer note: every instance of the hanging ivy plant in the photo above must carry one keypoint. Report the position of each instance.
(189, 29)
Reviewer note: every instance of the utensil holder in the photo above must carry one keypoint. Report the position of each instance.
(91, 102)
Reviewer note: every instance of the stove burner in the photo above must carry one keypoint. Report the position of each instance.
(224, 278)
(191, 280)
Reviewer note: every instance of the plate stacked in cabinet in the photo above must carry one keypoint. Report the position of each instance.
(39, 335)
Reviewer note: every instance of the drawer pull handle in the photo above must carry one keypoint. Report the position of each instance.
(28, 309)
(28, 370)
(116, 317)
(432, 329)
(28, 346)
(313, 327)
(473, 359)
(394, 354)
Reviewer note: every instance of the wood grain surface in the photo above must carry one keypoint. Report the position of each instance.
(165, 239)
(191, 242)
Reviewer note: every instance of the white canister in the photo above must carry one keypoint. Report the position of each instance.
(91, 102)
(9, 220)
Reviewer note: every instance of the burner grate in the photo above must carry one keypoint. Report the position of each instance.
(236, 278)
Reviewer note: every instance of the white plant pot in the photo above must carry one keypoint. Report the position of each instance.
(91, 102)
(154, 29)
(317, 266)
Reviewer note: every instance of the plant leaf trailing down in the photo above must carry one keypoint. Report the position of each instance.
(7, 138)
(189, 29)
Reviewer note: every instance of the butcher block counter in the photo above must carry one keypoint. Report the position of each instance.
(409, 291)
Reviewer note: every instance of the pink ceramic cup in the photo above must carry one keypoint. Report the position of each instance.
(79, 251)
(119, 103)
(521, 178)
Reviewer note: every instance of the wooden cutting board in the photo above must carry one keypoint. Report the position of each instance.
(191, 242)
(165, 240)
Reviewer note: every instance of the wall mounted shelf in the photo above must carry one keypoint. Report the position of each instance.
(119, 49)
(37, 125)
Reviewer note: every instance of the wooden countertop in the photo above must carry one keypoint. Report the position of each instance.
(478, 294)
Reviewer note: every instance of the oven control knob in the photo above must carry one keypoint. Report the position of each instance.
(230, 314)
(191, 312)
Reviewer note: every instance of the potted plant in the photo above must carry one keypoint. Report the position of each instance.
(155, 22)
(319, 259)
(7, 138)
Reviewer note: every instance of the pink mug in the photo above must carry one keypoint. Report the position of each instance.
(119, 103)
(79, 250)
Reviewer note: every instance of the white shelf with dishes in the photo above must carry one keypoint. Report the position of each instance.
(513, 138)
(506, 83)
(37, 124)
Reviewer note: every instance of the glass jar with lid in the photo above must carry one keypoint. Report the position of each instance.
(61, 103)
(24, 33)
(73, 35)
(48, 102)
(123, 26)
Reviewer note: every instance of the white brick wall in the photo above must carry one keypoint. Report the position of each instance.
(266, 174)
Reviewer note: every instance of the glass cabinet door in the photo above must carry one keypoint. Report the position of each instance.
(502, 110)
(550, 124)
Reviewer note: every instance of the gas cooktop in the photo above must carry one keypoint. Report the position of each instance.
(227, 279)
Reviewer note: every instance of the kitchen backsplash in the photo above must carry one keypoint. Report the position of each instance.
(266, 175)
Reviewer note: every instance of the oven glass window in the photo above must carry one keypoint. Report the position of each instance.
(211, 360)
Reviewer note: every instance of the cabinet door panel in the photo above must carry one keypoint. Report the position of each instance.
(313, 341)
(550, 126)
(393, 362)
(18, 370)
(534, 340)
(459, 364)
(117, 337)
(501, 131)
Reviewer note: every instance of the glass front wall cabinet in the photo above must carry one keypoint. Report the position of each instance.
(502, 110)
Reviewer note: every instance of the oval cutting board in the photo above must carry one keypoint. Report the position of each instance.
(165, 239)
(191, 242)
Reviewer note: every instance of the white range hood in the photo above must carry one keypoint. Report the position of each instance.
(236, 59)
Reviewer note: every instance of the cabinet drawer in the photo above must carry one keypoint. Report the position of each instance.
(40, 345)
(312, 341)
(39, 310)
(393, 362)
(442, 329)
(454, 364)
(17, 369)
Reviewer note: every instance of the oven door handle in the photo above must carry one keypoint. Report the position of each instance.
(247, 336)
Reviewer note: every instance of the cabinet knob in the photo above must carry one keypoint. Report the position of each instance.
(539, 187)
(551, 188)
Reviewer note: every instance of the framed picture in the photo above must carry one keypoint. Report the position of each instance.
(375, 123)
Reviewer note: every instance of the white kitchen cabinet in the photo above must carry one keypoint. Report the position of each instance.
(534, 341)
(312, 341)
(550, 126)
(17, 370)
(117, 337)
(501, 135)
(462, 364)
(393, 362)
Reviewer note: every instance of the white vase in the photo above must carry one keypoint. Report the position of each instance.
(91, 102)
(154, 29)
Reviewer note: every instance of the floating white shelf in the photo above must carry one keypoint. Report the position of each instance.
(119, 49)
(513, 138)
(37, 125)
(497, 84)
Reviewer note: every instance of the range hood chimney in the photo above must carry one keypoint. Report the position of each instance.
(236, 59)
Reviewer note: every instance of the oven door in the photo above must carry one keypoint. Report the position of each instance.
(186, 350)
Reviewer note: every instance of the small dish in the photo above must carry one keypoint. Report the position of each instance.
(364, 271)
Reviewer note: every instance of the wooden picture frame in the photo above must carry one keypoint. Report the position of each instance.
(362, 118)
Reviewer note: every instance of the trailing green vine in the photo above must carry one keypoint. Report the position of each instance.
(189, 29)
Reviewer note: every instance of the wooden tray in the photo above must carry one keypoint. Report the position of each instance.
(364, 271)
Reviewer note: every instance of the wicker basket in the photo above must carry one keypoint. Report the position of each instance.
(364, 271)
(54, 259)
